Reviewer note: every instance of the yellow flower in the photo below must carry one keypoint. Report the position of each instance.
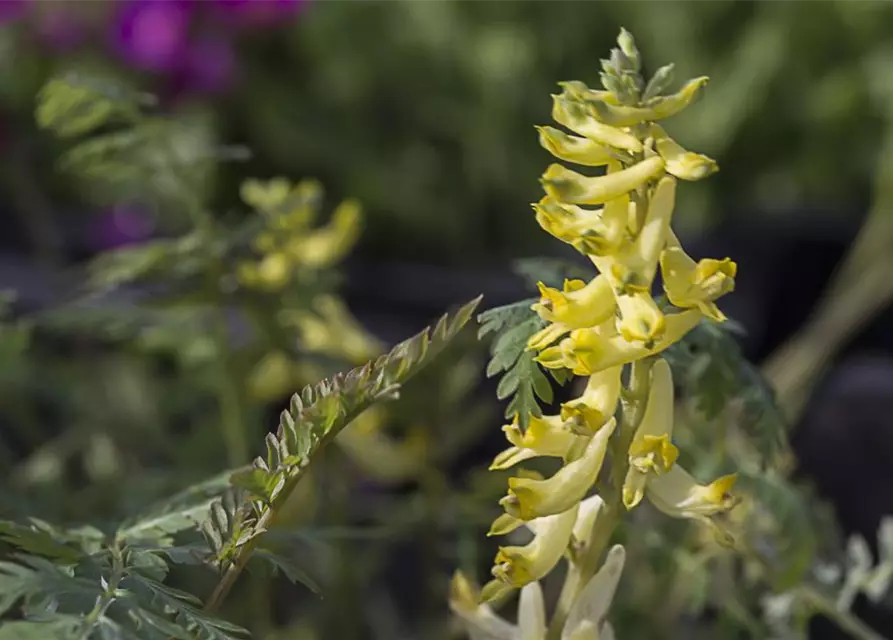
(590, 508)
(651, 452)
(586, 618)
(381, 456)
(683, 164)
(331, 329)
(633, 269)
(588, 351)
(678, 494)
(597, 403)
(589, 231)
(544, 436)
(327, 245)
(655, 109)
(516, 566)
(531, 613)
(640, 318)
(696, 285)
(580, 118)
(579, 305)
(528, 499)
(478, 619)
(571, 187)
(573, 149)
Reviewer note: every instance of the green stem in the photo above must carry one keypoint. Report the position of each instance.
(841, 617)
(579, 573)
(108, 596)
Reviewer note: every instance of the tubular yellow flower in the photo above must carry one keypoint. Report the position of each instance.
(655, 109)
(590, 231)
(683, 164)
(633, 269)
(596, 405)
(577, 90)
(579, 118)
(640, 318)
(589, 511)
(593, 603)
(531, 613)
(579, 305)
(573, 149)
(327, 245)
(544, 436)
(588, 351)
(678, 494)
(516, 566)
(528, 499)
(571, 187)
(696, 285)
(651, 452)
(478, 619)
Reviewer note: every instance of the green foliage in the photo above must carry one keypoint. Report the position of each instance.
(712, 372)
(163, 161)
(522, 378)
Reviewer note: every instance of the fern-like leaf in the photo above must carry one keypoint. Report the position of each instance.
(522, 379)
(183, 511)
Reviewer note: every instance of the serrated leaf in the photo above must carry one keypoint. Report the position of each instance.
(43, 541)
(60, 627)
(184, 609)
(30, 577)
(497, 318)
(72, 108)
(288, 568)
(182, 511)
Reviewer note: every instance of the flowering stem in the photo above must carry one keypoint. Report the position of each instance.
(580, 572)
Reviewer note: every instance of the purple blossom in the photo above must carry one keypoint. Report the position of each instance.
(61, 29)
(208, 65)
(11, 10)
(121, 226)
(258, 12)
(152, 34)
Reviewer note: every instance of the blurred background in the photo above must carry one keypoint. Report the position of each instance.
(422, 111)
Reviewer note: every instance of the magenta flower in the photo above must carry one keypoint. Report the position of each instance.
(208, 66)
(258, 12)
(11, 10)
(152, 34)
(121, 226)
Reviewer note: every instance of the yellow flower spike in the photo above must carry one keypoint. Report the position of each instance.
(679, 495)
(590, 508)
(517, 566)
(579, 305)
(640, 318)
(531, 613)
(696, 285)
(529, 499)
(573, 149)
(579, 118)
(577, 90)
(504, 524)
(478, 619)
(597, 403)
(683, 164)
(590, 231)
(592, 605)
(544, 436)
(496, 589)
(327, 245)
(274, 271)
(574, 188)
(655, 109)
(332, 330)
(634, 268)
(651, 452)
(588, 351)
